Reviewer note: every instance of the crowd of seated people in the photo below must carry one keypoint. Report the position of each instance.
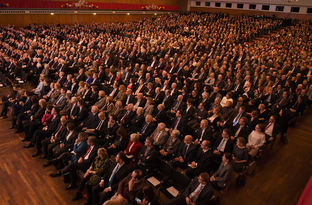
(198, 92)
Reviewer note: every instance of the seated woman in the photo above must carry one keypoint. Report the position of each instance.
(256, 139)
(80, 148)
(134, 147)
(240, 155)
(93, 175)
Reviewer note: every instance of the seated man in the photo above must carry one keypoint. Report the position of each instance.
(186, 153)
(203, 161)
(222, 176)
(128, 189)
(83, 163)
(172, 146)
(198, 192)
(109, 182)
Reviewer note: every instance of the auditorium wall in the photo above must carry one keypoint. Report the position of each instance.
(167, 5)
(25, 19)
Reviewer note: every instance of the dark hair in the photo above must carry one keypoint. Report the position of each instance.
(205, 176)
(71, 126)
(122, 156)
(139, 173)
(150, 139)
(92, 139)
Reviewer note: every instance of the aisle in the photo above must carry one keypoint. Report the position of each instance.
(282, 174)
(23, 179)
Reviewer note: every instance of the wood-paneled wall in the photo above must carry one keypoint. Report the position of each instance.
(155, 2)
(25, 19)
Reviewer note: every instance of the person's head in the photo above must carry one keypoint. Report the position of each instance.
(188, 139)
(205, 145)
(149, 142)
(82, 136)
(94, 109)
(91, 140)
(139, 110)
(204, 124)
(243, 121)
(226, 133)
(102, 153)
(272, 119)
(42, 102)
(134, 137)
(161, 126)
(178, 114)
(63, 120)
(203, 178)
(70, 126)
(175, 133)
(148, 118)
(121, 158)
(227, 157)
(241, 142)
(137, 175)
(259, 128)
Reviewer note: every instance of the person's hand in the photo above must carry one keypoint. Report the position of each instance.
(212, 179)
(86, 174)
(188, 200)
(31, 117)
(101, 184)
(232, 137)
(216, 152)
(80, 160)
(108, 189)
(131, 183)
(61, 145)
(196, 142)
(181, 160)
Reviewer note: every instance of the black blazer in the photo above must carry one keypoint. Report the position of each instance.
(244, 132)
(207, 135)
(228, 147)
(120, 174)
(92, 155)
(189, 155)
(53, 125)
(204, 196)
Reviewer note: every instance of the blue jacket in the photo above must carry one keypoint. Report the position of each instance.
(80, 149)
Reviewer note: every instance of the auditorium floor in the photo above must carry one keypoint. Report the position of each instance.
(279, 179)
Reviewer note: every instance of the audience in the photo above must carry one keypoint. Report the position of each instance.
(199, 92)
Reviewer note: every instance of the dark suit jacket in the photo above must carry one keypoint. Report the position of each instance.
(120, 174)
(204, 196)
(131, 100)
(228, 147)
(189, 155)
(92, 155)
(82, 114)
(53, 125)
(91, 121)
(148, 131)
(207, 135)
(223, 175)
(181, 124)
(244, 132)
(161, 116)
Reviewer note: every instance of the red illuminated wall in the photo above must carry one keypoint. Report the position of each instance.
(96, 4)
